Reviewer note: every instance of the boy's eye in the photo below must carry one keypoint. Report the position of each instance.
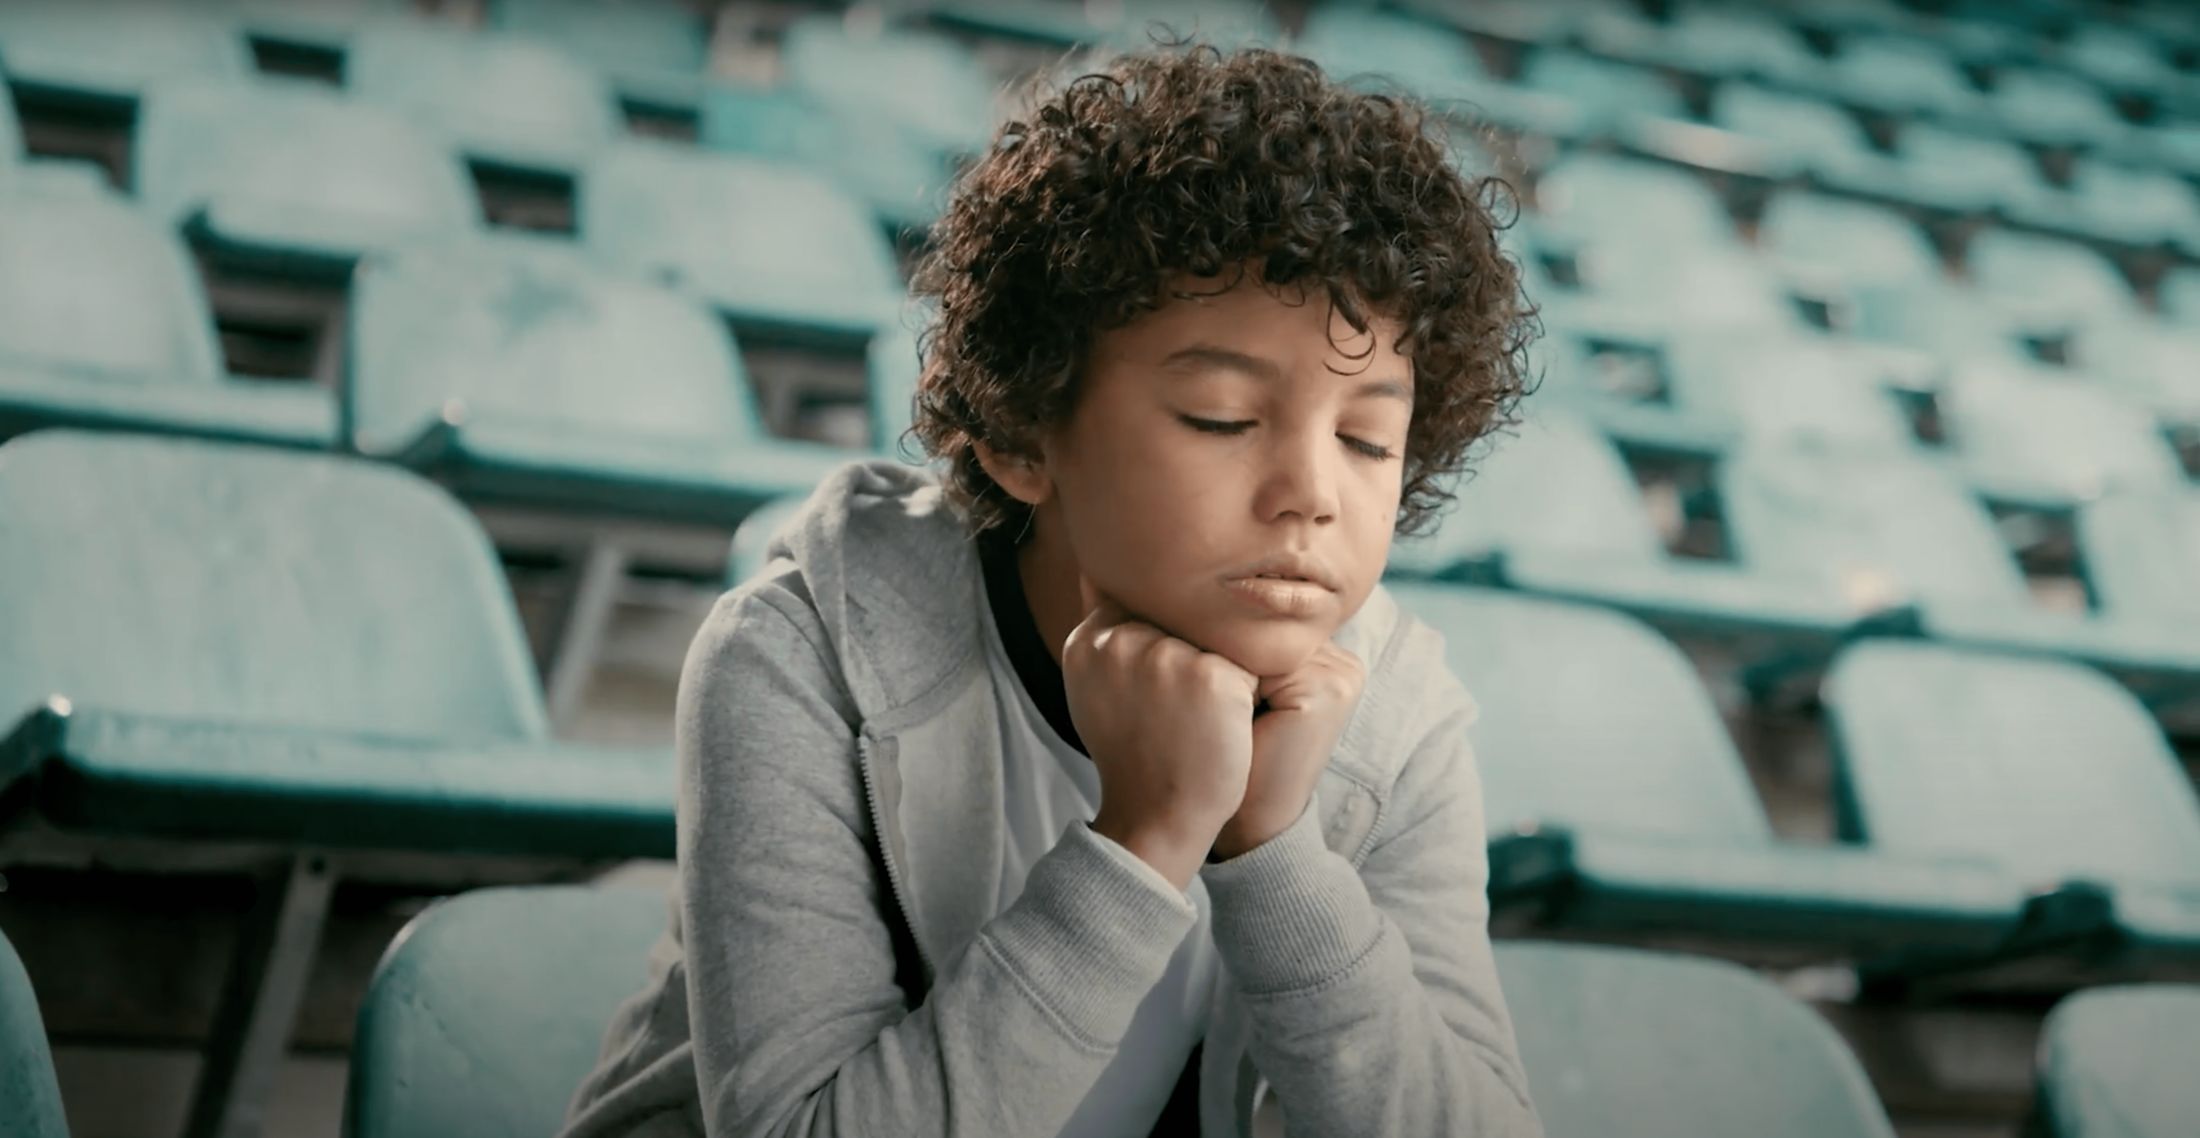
(1240, 426)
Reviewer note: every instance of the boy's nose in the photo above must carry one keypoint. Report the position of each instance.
(1301, 480)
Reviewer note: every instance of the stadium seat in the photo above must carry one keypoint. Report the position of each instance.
(2045, 768)
(1949, 170)
(1735, 43)
(2038, 436)
(2047, 277)
(504, 100)
(1836, 242)
(1899, 75)
(2142, 554)
(1378, 48)
(213, 645)
(1617, 805)
(522, 375)
(655, 52)
(2118, 57)
(1612, 95)
(1602, 199)
(103, 323)
(2120, 204)
(291, 176)
(325, 26)
(455, 1036)
(927, 85)
(1905, 539)
(2149, 363)
(53, 48)
(774, 246)
(1631, 282)
(1554, 511)
(1790, 390)
(1596, 1027)
(903, 181)
(2051, 108)
(30, 1094)
(1943, 319)
(1797, 132)
(2111, 1063)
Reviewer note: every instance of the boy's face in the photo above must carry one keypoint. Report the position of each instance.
(1215, 434)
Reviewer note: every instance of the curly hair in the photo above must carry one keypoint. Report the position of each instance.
(1186, 160)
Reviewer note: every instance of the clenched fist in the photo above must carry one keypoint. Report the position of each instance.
(1170, 729)
(1302, 716)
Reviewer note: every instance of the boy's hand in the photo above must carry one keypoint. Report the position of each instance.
(1170, 728)
(1292, 742)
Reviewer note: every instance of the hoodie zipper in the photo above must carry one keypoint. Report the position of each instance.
(879, 822)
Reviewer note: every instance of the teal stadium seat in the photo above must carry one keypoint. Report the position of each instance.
(505, 100)
(520, 374)
(1651, 1045)
(655, 52)
(2043, 767)
(294, 177)
(1811, 392)
(218, 646)
(1726, 42)
(30, 1093)
(1949, 170)
(2047, 278)
(1128, 25)
(2119, 57)
(929, 86)
(1617, 806)
(2151, 363)
(902, 181)
(1796, 132)
(774, 246)
(2120, 204)
(325, 26)
(1899, 75)
(2142, 553)
(455, 1036)
(1378, 48)
(1610, 200)
(2051, 108)
(103, 323)
(1612, 96)
(1835, 242)
(60, 50)
(1638, 282)
(2039, 436)
(2111, 1063)
(1902, 536)
(1944, 319)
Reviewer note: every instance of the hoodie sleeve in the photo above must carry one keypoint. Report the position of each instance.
(1372, 994)
(799, 1026)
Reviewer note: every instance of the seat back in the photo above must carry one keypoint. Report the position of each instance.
(2047, 275)
(298, 165)
(2112, 1061)
(1651, 1045)
(2142, 554)
(1796, 124)
(1847, 240)
(520, 330)
(456, 1036)
(90, 283)
(502, 97)
(1609, 199)
(2046, 767)
(1788, 389)
(1880, 528)
(2033, 425)
(1589, 720)
(623, 38)
(1422, 56)
(1607, 88)
(233, 584)
(116, 51)
(929, 85)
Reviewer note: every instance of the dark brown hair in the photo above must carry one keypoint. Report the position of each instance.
(1187, 160)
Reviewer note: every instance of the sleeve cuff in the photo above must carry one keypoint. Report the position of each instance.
(1092, 932)
(1289, 914)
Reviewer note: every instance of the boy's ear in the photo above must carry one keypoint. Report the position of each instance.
(1025, 479)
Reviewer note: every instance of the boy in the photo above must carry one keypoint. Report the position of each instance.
(1091, 786)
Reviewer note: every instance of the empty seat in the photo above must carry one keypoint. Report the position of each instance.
(2111, 1062)
(2118, 57)
(227, 644)
(454, 1036)
(1950, 170)
(773, 245)
(30, 1094)
(2142, 553)
(65, 51)
(2152, 364)
(1555, 511)
(294, 174)
(520, 374)
(1616, 802)
(1601, 1034)
(1839, 241)
(2047, 277)
(1899, 75)
(103, 322)
(2120, 204)
(1600, 199)
(312, 25)
(1729, 42)
(502, 99)
(1788, 390)
(2036, 435)
(2043, 767)
(903, 181)
(1424, 57)
(1947, 321)
(929, 86)
(2051, 108)
(656, 52)
(1798, 132)
(1630, 281)
(1612, 93)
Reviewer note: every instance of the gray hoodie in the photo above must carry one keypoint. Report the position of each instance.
(834, 965)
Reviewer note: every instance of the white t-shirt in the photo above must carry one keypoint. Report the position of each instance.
(1045, 785)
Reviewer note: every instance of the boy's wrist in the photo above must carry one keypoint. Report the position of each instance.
(1175, 857)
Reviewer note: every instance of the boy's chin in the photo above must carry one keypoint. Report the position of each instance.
(1267, 648)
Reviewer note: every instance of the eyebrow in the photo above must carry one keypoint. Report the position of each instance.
(1200, 357)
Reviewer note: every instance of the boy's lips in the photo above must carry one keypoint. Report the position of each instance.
(1301, 567)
